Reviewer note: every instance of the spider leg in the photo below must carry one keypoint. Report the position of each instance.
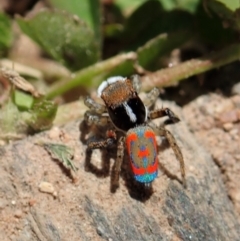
(104, 143)
(163, 112)
(118, 164)
(111, 138)
(162, 131)
(96, 113)
(151, 97)
(94, 106)
(136, 83)
(91, 118)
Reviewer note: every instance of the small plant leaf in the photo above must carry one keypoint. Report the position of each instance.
(23, 100)
(23, 113)
(63, 36)
(42, 113)
(10, 119)
(62, 153)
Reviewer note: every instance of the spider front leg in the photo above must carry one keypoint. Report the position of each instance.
(136, 83)
(95, 116)
(94, 106)
(103, 144)
(92, 118)
(162, 131)
(173, 118)
(110, 139)
(151, 96)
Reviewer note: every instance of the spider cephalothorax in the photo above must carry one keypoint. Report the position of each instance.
(123, 104)
(129, 115)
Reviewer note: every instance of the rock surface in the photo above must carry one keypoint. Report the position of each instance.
(85, 209)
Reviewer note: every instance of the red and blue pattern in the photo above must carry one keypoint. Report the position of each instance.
(142, 151)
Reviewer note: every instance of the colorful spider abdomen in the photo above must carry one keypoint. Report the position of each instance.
(125, 108)
(142, 151)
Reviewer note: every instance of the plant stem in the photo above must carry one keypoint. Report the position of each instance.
(171, 76)
(90, 76)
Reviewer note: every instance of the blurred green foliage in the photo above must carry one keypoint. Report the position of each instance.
(79, 41)
(79, 32)
(87, 10)
(97, 41)
(64, 37)
(5, 33)
(42, 113)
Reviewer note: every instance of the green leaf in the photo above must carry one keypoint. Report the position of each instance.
(42, 113)
(62, 153)
(228, 11)
(230, 4)
(23, 100)
(5, 33)
(87, 10)
(23, 113)
(134, 32)
(64, 37)
(210, 26)
(158, 21)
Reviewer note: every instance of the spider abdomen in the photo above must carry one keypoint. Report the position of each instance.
(142, 151)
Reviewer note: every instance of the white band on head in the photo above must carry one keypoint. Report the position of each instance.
(108, 82)
(114, 79)
(101, 87)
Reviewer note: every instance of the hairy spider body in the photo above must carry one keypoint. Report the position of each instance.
(142, 151)
(130, 116)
